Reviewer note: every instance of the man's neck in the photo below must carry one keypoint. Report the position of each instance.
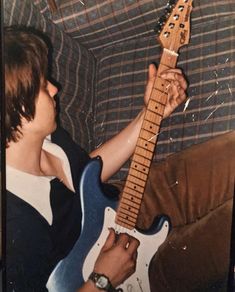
(25, 155)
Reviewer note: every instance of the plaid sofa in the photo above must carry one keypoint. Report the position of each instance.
(102, 50)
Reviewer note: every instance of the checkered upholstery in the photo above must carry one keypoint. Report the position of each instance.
(102, 51)
(208, 63)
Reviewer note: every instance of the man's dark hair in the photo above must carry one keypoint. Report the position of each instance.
(26, 65)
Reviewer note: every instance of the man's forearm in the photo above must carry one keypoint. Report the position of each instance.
(116, 151)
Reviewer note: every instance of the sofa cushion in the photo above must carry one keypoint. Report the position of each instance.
(195, 188)
(195, 257)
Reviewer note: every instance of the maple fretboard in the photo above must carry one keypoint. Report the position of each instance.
(132, 195)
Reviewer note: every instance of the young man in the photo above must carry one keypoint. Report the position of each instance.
(44, 167)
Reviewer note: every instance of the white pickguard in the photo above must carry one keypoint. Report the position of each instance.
(149, 244)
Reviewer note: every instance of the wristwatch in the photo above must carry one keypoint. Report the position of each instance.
(102, 282)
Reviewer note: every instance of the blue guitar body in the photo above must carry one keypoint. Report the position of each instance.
(98, 215)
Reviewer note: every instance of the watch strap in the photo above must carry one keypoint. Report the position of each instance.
(94, 277)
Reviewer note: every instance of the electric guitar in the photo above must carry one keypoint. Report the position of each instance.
(98, 210)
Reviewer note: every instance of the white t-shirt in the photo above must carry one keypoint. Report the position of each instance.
(23, 184)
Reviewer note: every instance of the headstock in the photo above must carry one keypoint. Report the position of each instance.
(174, 27)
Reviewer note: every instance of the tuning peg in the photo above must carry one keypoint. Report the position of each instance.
(168, 10)
(170, 5)
(158, 28)
(160, 23)
(162, 20)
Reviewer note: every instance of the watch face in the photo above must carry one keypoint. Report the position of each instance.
(102, 282)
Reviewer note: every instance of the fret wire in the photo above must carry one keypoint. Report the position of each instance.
(140, 160)
(143, 144)
(124, 224)
(157, 100)
(132, 198)
(155, 106)
(138, 174)
(140, 167)
(129, 221)
(146, 133)
(136, 180)
(127, 213)
(166, 67)
(150, 126)
(129, 208)
(127, 217)
(143, 159)
(147, 136)
(154, 112)
(156, 119)
(131, 189)
(149, 120)
(146, 145)
(152, 132)
(157, 96)
(131, 203)
(143, 172)
(160, 85)
(131, 195)
(158, 89)
(139, 164)
(144, 152)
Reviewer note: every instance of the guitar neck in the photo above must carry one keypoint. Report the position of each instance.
(132, 195)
